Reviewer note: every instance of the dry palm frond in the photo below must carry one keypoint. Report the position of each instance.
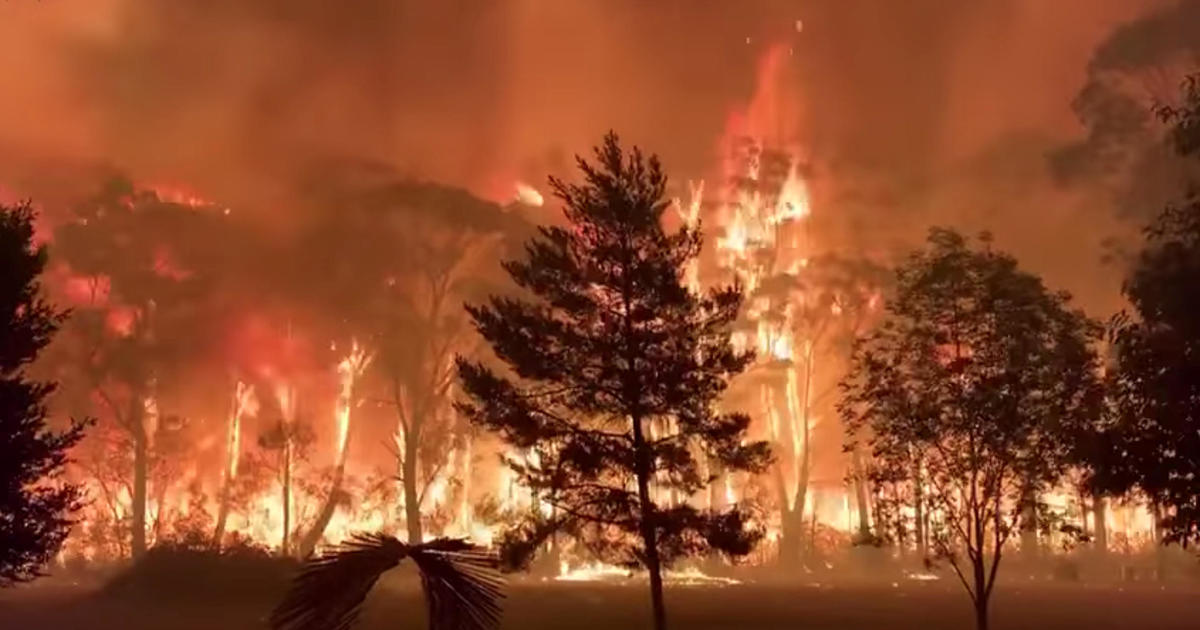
(462, 587)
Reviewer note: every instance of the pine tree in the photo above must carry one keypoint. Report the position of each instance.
(616, 371)
(35, 503)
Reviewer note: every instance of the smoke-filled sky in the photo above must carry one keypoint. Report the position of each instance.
(912, 112)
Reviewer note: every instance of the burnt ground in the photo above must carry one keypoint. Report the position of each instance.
(535, 606)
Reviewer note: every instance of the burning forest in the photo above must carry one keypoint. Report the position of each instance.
(802, 331)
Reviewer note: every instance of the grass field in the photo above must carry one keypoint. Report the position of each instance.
(536, 606)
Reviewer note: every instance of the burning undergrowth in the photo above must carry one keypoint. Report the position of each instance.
(281, 387)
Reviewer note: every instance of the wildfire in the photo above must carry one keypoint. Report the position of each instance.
(244, 403)
(349, 369)
(762, 216)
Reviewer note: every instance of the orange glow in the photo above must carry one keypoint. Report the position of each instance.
(529, 195)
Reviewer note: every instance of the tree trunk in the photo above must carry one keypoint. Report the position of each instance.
(648, 525)
(919, 515)
(412, 498)
(791, 531)
(981, 613)
(140, 465)
(716, 489)
(309, 543)
(222, 517)
(228, 472)
(1100, 518)
(1083, 514)
(284, 546)
(982, 594)
(1029, 525)
(1160, 556)
(860, 494)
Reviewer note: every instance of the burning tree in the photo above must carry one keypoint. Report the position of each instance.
(970, 391)
(618, 367)
(144, 312)
(243, 403)
(408, 254)
(801, 312)
(349, 369)
(35, 503)
(286, 442)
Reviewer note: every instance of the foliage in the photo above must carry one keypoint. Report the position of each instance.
(462, 588)
(616, 369)
(1184, 118)
(969, 392)
(35, 502)
(1153, 443)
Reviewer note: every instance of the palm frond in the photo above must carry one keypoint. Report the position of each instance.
(462, 584)
(329, 592)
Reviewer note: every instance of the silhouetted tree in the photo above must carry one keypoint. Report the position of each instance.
(462, 588)
(970, 389)
(1153, 443)
(618, 368)
(35, 502)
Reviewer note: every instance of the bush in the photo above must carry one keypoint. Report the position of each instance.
(185, 570)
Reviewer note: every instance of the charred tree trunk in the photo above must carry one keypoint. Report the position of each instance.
(979, 574)
(336, 497)
(412, 495)
(919, 515)
(1083, 514)
(791, 531)
(648, 525)
(227, 472)
(1100, 516)
(860, 494)
(222, 517)
(791, 539)
(1029, 525)
(1160, 555)
(141, 447)
(716, 489)
(981, 613)
(285, 544)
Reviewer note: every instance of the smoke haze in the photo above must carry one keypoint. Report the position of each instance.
(912, 113)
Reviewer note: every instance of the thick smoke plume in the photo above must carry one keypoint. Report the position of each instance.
(913, 113)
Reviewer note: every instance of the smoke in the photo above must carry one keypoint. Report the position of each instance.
(912, 113)
(1139, 65)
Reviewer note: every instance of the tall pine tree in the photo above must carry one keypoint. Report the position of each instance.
(615, 370)
(35, 504)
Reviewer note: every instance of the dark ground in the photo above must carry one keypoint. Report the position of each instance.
(534, 606)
